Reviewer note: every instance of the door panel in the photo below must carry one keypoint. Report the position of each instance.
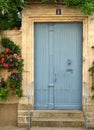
(68, 65)
(41, 66)
(58, 66)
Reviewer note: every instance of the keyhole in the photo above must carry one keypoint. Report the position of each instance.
(69, 62)
(55, 77)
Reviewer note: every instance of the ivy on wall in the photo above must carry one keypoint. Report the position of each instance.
(86, 6)
(91, 70)
(10, 60)
(10, 10)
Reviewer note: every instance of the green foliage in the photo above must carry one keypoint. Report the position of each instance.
(9, 11)
(3, 93)
(91, 70)
(3, 89)
(3, 24)
(12, 20)
(73, 3)
(15, 79)
(92, 97)
(11, 5)
(86, 6)
(18, 92)
(50, 1)
(92, 47)
(92, 86)
(10, 59)
(11, 84)
(7, 43)
(20, 66)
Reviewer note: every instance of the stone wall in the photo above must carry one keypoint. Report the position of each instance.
(91, 59)
(14, 35)
(25, 38)
(47, 13)
(9, 107)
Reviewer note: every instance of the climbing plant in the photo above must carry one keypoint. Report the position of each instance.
(10, 60)
(91, 70)
(10, 10)
(86, 6)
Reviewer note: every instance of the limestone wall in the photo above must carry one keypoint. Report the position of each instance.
(9, 107)
(47, 13)
(25, 38)
(91, 59)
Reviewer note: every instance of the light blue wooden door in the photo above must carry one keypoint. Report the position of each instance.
(58, 66)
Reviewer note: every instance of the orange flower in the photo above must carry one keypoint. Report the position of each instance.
(7, 49)
(6, 65)
(2, 60)
(2, 55)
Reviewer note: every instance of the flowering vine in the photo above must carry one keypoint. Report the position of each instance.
(11, 60)
(8, 60)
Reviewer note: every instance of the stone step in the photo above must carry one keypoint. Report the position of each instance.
(56, 128)
(57, 114)
(57, 122)
(91, 126)
(58, 118)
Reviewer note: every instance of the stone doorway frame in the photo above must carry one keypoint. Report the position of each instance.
(28, 49)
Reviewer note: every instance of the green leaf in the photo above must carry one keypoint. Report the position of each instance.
(88, 8)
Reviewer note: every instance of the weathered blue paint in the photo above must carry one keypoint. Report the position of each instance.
(58, 66)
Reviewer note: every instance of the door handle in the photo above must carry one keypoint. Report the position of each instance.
(69, 70)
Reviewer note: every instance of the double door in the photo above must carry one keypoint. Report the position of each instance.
(58, 66)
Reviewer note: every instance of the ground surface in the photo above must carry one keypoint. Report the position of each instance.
(38, 128)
